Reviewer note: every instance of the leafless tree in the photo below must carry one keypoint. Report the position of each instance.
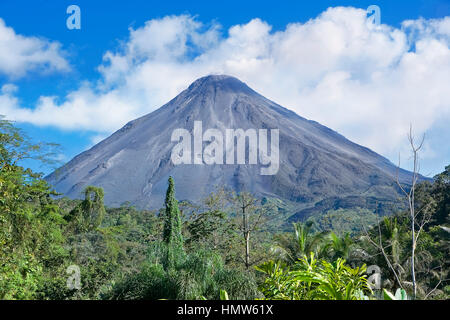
(410, 196)
(252, 216)
(417, 223)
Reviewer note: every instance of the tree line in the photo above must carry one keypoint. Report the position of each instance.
(223, 246)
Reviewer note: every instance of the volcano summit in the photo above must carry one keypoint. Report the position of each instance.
(315, 162)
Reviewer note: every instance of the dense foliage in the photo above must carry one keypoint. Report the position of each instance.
(312, 279)
(225, 246)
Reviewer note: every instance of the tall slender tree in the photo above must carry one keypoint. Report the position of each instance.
(172, 235)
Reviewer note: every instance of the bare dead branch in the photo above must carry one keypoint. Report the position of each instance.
(383, 252)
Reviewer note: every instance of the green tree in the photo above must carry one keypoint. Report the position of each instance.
(89, 214)
(293, 246)
(31, 240)
(341, 246)
(172, 235)
(211, 226)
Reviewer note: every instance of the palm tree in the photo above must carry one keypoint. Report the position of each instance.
(341, 247)
(302, 242)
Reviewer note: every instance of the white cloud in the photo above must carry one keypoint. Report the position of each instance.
(367, 82)
(98, 138)
(8, 102)
(20, 54)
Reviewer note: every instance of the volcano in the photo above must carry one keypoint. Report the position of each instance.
(315, 162)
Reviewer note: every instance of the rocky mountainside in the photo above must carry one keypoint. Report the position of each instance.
(315, 162)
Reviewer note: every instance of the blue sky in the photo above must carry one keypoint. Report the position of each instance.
(116, 27)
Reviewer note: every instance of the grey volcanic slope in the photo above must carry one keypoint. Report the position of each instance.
(133, 164)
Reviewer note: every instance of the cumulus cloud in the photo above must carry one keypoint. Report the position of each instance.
(367, 82)
(20, 54)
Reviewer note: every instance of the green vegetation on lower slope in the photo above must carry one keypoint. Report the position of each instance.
(341, 220)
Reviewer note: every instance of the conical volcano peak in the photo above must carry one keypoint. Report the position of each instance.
(314, 162)
(220, 82)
